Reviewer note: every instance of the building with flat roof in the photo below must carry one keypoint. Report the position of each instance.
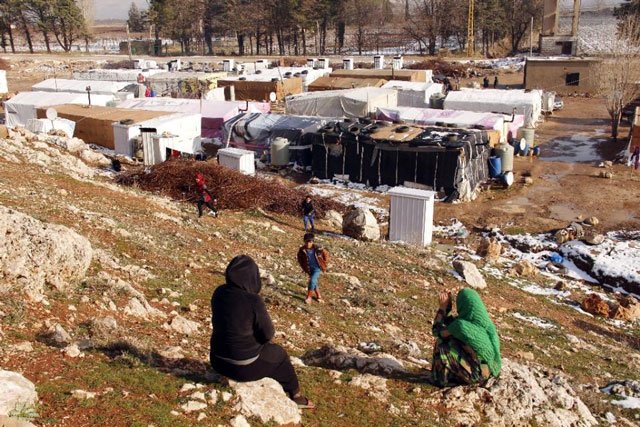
(563, 75)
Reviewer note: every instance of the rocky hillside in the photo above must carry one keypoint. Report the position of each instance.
(105, 318)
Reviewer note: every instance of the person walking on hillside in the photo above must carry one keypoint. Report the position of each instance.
(241, 347)
(485, 82)
(495, 82)
(205, 198)
(313, 260)
(467, 349)
(308, 215)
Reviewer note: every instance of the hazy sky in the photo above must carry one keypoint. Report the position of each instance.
(110, 9)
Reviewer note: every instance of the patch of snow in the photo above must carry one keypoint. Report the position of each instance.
(541, 323)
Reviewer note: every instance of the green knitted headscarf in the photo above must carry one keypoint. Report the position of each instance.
(474, 328)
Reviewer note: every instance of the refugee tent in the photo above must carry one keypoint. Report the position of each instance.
(386, 74)
(184, 84)
(159, 135)
(414, 94)
(4, 88)
(23, 106)
(260, 90)
(95, 125)
(523, 102)
(307, 74)
(341, 103)
(460, 119)
(80, 86)
(124, 75)
(452, 161)
(257, 132)
(333, 83)
(214, 113)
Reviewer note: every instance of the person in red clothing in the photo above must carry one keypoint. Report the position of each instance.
(205, 198)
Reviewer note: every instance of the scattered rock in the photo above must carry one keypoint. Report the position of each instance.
(239, 421)
(142, 309)
(360, 224)
(201, 416)
(525, 269)
(35, 254)
(595, 305)
(526, 355)
(560, 286)
(627, 309)
(351, 280)
(527, 180)
(592, 221)
(83, 394)
(342, 358)
(606, 174)
(265, 400)
(174, 352)
(593, 239)
(102, 327)
(489, 248)
(470, 273)
(57, 336)
(334, 219)
(184, 326)
(374, 385)
(226, 396)
(193, 406)
(93, 158)
(72, 351)
(523, 395)
(16, 393)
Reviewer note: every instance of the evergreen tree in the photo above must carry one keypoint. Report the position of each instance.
(136, 19)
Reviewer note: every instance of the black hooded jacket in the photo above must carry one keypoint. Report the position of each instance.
(241, 324)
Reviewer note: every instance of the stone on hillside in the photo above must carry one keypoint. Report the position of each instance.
(57, 335)
(352, 280)
(470, 273)
(594, 304)
(489, 248)
(592, 221)
(360, 224)
(16, 393)
(525, 269)
(103, 326)
(184, 326)
(193, 406)
(342, 358)
(93, 158)
(239, 421)
(265, 400)
(174, 352)
(83, 394)
(523, 395)
(34, 254)
(142, 309)
(334, 218)
(628, 309)
(375, 386)
(593, 239)
(72, 351)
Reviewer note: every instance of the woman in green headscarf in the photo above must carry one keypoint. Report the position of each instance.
(467, 349)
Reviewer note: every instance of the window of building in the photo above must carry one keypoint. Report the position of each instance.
(572, 79)
(566, 47)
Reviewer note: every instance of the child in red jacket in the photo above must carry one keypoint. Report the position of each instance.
(205, 198)
(313, 260)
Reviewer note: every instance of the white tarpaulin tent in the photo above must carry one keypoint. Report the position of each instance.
(414, 94)
(4, 88)
(98, 87)
(308, 75)
(22, 107)
(130, 76)
(527, 103)
(358, 102)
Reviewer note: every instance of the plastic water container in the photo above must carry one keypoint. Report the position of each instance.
(495, 166)
(508, 179)
(505, 152)
(529, 135)
(437, 101)
(280, 152)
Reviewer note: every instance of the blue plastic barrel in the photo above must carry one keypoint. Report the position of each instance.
(536, 150)
(524, 152)
(495, 166)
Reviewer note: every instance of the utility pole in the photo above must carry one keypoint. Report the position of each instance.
(531, 38)
(129, 43)
(470, 30)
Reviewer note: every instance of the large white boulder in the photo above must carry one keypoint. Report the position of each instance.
(17, 394)
(470, 274)
(266, 401)
(34, 254)
(360, 224)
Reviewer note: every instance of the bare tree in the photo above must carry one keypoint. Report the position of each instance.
(619, 73)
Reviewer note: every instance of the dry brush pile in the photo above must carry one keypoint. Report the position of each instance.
(234, 190)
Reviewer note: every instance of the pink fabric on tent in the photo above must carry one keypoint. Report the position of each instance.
(214, 113)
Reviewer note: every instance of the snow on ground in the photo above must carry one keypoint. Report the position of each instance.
(351, 195)
(540, 323)
(454, 230)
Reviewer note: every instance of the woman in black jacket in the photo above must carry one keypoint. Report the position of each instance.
(241, 346)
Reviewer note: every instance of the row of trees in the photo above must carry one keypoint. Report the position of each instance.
(59, 21)
(300, 27)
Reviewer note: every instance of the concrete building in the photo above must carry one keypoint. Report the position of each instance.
(563, 75)
(555, 40)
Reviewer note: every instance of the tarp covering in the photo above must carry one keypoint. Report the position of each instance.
(257, 131)
(246, 90)
(405, 75)
(308, 75)
(80, 86)
(184, 84)
(526, 103)
(95, 125)
(341, 103)
(214, 113)
(414, 94)
(23, 106)
(332, 83)
(461, 119)
(124, 75)
(453, 161)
